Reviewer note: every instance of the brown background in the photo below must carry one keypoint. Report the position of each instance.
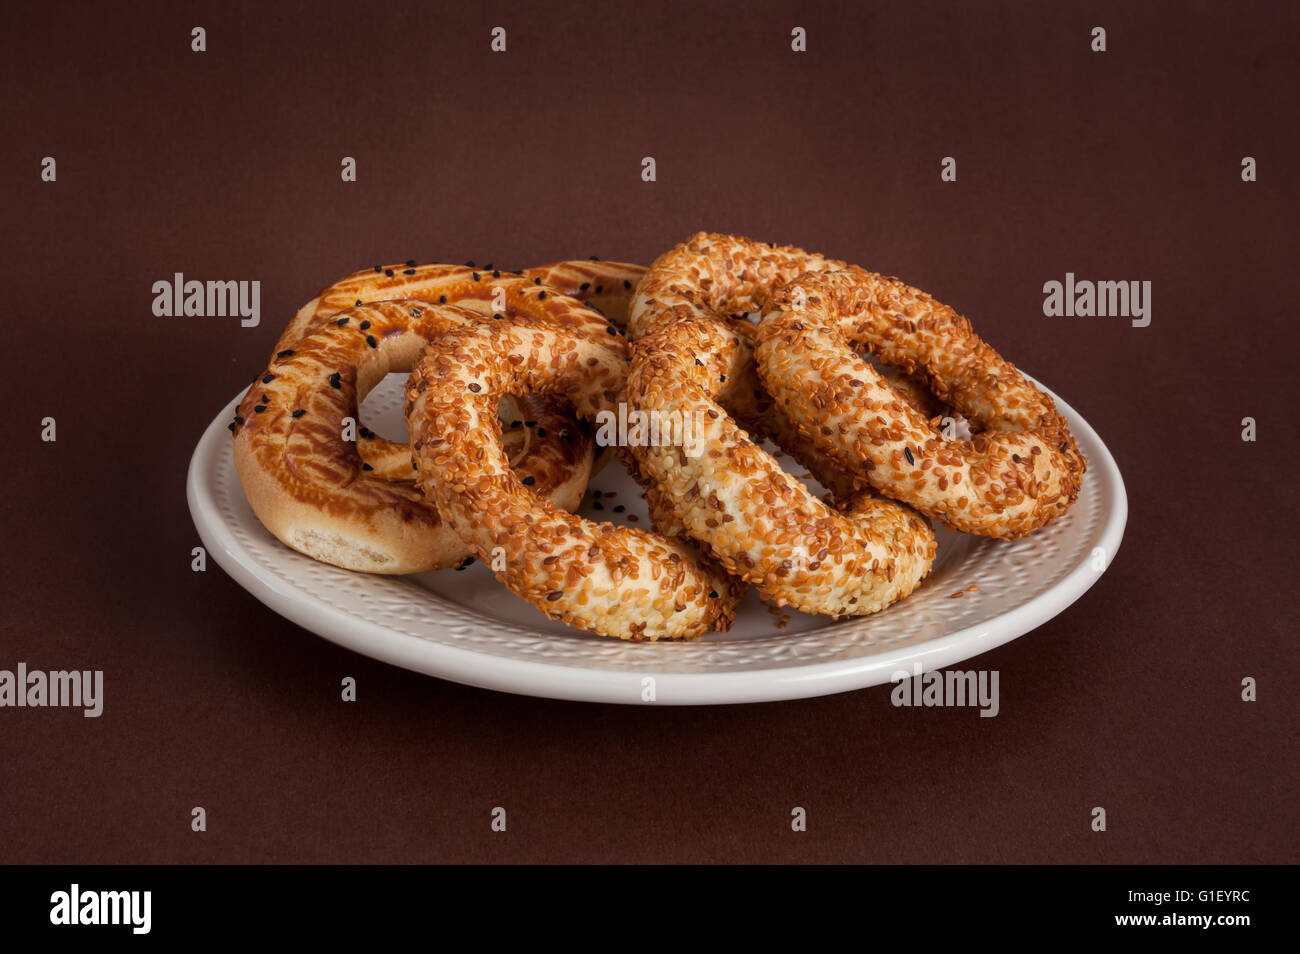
(1123, 165)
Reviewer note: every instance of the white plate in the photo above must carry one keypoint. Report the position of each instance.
(467, 627)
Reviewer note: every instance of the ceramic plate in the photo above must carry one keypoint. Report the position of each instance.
(467, 627)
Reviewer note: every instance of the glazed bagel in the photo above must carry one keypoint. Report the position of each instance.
(310, 488)
(616, 581)
(1019, 473)
(759, 522)
(605, 286)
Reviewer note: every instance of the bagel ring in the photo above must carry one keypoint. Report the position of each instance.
(1020, 473)
(311, 489)
(605, 286)
(759, 522)
(614, 580)
(722, 278)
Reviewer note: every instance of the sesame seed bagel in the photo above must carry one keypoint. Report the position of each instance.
(605, 286)
(758, 521)
(1020, 473)
(722, 278)
(304, 478)
(616, 581)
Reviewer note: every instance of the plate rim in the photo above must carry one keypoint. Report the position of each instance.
(575, 683)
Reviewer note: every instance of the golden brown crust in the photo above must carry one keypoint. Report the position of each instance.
(305, 480)
(1021, 473)
(617, 581)
(605, 286)
(759, 522)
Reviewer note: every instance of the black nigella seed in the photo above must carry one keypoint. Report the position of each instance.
(370, 340)
(554, 595)
(699, 362)
(529, 481)
(564, 434)
(388, 272)
(475, 387)
(365, 325)
(599, 289)
(342, 321)
(541, 432)
(713, 594)
(239, 419)
(379, 268)
(516, 423)
(594, 258)
(584, 286)
(299, 413)
(477, 277)
(358, 304)
(541, 296)
(469, 264)
(416, 313)
(498, 316)
(537, 281)
(265, 399)
(286, 353)
(907, 452)
(530, 423)
(722, 377)
(442, 300)
(597, 505)
(633, 518)
(619, 509)
(597, 493)
(259, 408)
(626, 283)
(336, 380)
(611, 330)
(487, 267)
(232, 425)
(268, 378)
(367, 433)
(366, 467)
(496, 273)
(414, 466)
(408, 271)
(410, 263)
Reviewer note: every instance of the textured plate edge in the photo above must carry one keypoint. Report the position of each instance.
(571, 683)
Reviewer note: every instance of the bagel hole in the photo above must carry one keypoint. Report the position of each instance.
(381, 412)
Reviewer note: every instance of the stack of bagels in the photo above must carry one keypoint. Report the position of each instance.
(722, 344)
